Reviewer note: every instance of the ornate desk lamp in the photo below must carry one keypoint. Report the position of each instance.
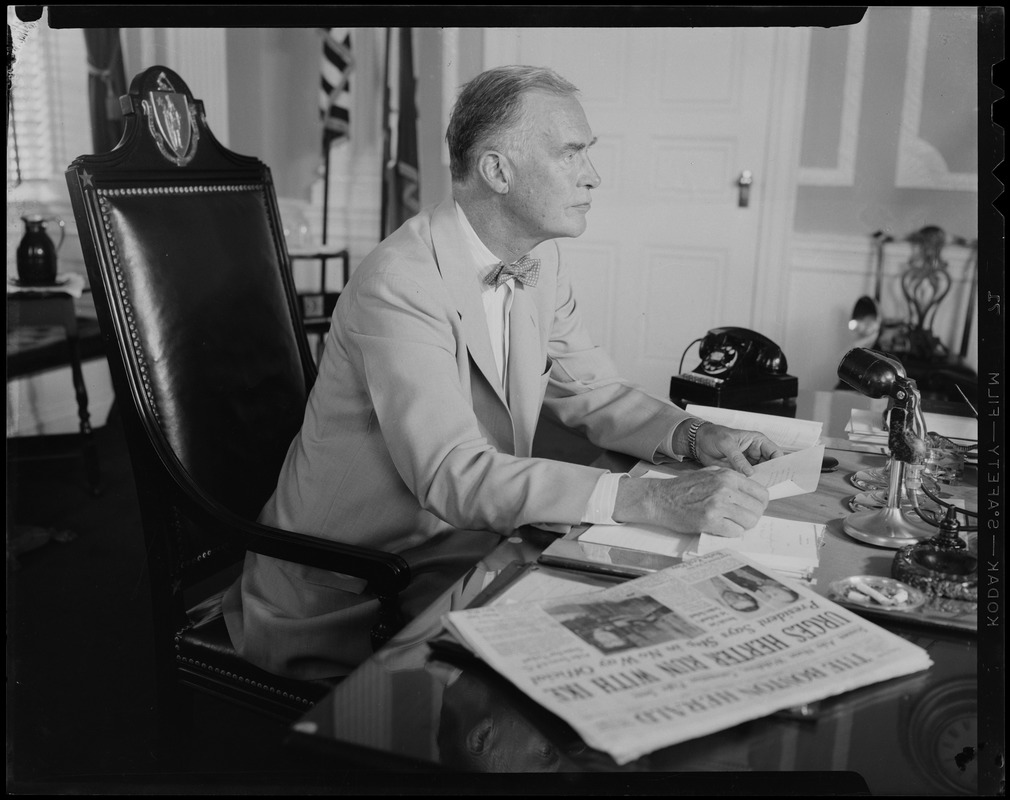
(876, 375)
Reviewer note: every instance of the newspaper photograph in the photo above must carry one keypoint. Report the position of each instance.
(682, 653)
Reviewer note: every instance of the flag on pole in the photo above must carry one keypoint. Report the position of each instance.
(401, 184)
(335, 87)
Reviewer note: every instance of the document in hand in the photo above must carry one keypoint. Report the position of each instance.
(679, 654)
(788, 433)
(794, 473)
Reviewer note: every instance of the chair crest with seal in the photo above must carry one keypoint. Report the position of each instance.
(192, 283)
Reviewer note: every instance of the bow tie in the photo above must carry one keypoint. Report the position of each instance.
(526, 270)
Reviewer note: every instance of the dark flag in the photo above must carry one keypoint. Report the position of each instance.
(335, 87)
(401, 185)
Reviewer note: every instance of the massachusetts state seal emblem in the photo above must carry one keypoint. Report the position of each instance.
(170, 116)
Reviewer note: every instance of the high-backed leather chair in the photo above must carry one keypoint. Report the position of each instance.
(208, 354)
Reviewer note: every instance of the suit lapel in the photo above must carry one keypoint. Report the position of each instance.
(452, 254)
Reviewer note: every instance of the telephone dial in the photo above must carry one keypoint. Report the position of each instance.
(738, 366)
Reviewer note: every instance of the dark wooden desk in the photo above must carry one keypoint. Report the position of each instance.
(407, 708)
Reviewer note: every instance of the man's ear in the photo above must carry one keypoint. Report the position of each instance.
(495, 171)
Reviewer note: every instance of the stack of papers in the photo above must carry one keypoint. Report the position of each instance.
(785, 547)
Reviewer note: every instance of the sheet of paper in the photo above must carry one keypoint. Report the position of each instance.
(786, 432)
(791, 474)
(650, 538)
(794, 473)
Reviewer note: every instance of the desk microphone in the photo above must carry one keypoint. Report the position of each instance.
(873, 374)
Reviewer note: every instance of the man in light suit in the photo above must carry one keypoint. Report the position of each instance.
(418, 433)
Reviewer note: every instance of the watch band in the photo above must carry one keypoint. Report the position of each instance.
(692, 439)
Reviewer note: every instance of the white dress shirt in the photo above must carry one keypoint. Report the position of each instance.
(497, 304)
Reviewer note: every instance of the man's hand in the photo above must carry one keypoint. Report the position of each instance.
(720, 499)
(718, 445)
(711, 500)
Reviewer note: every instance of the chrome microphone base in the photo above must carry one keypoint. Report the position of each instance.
(886, 527)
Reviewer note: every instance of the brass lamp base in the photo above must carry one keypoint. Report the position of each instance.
(886, 527)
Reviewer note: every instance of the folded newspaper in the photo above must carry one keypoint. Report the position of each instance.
(682, 653)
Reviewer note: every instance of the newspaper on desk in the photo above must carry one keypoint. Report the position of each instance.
(679, 654)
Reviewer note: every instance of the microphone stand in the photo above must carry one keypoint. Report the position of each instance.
(891, 526)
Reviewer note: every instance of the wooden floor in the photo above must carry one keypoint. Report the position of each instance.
(80, 690)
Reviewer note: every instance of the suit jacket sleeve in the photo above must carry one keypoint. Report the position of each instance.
(586, 393)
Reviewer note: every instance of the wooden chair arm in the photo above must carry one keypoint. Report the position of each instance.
(387, 573)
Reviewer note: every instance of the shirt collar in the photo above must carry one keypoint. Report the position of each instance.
(484, 261)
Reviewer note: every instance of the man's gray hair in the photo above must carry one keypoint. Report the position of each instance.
(489, 110)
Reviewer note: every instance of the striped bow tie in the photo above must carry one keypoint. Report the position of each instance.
(526, 270)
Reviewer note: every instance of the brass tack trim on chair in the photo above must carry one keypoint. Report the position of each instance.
(192, 662)
(125, 300)
(139, 191)
(213, 551)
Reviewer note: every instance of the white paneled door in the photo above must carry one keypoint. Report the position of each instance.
(679, 114)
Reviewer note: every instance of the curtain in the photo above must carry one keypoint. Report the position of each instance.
(106, 84)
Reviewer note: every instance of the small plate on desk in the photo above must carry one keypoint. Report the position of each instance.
(865, 591)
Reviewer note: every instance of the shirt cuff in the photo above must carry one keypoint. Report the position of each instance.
(600, 508)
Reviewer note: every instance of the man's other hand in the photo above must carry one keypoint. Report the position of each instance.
(718, 445)
(713, 500)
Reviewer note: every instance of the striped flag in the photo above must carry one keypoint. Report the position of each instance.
(334, 86)
(401, 183)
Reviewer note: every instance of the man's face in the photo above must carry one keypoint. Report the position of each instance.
(552, 177)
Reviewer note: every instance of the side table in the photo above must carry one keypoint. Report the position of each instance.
(43, 332)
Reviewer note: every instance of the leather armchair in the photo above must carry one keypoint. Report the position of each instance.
(192, 284)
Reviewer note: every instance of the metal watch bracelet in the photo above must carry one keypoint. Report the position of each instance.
(692, 439)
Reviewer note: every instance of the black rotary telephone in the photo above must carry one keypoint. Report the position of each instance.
(731, 354)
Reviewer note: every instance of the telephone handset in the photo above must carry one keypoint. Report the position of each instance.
(732, 354)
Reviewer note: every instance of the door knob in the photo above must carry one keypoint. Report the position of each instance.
(744, 181)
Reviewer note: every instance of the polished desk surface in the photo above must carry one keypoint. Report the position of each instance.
(407, 707)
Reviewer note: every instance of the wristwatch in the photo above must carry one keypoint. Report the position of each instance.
(692, 439)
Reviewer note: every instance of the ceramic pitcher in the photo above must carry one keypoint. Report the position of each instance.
(36, 253)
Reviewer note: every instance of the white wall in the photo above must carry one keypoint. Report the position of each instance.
(890, 144)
